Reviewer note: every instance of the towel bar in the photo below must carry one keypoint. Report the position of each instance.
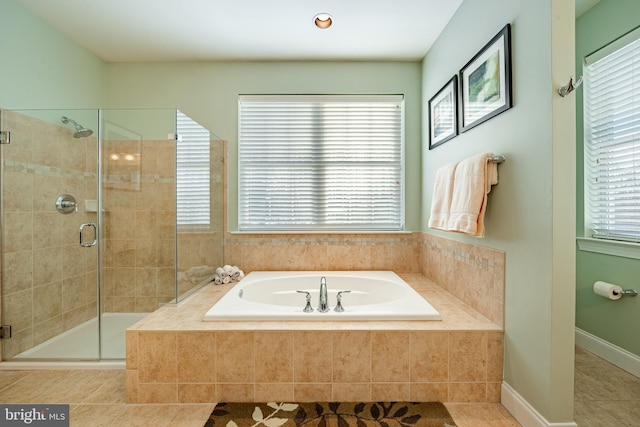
(497, 159)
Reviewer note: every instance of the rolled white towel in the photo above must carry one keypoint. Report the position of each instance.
(240, 275)
(217, 280)
(220, 272)
(226, 279)
(236, 273)
(228, 270)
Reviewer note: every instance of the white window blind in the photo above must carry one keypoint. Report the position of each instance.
(612, 140)
(321, 162)
(192, 174)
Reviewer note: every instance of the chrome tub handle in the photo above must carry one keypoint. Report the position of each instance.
(307, 307)
(339, 308)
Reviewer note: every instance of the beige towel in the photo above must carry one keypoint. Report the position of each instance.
(460, 195)
(473, 180)
(442, 196)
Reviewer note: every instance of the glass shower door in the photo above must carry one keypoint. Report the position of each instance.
(50, 277)
(95, 235)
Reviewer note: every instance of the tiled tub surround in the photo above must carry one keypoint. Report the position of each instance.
(472, 273)
(173, 356)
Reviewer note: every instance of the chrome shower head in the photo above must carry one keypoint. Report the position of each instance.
(81, 131)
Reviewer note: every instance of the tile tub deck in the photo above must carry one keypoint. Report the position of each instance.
(175, 357)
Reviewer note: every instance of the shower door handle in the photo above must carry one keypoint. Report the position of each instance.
(95, 235)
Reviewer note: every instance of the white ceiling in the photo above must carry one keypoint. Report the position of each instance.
(209, 30)
(205, 30)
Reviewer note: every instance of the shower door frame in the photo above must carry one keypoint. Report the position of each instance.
(143, 204)
(48, 257)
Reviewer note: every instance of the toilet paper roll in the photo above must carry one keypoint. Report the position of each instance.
(607, 290)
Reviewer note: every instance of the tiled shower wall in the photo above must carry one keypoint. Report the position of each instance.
(49, 282)
(199, 251)
(140, 227)
(139, 224)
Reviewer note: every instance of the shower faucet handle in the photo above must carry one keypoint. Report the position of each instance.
(307, 308)
(66, 204)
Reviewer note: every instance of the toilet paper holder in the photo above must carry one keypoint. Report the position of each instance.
(629, 293)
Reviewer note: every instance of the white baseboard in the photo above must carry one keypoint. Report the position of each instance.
(609, 352)
(523, 412)
(527, 415)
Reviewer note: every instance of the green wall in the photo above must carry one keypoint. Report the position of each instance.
(42, 68)
(532, 207)
(208, 93)
(608, 320)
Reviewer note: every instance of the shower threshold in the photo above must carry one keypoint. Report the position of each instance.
(81, 342)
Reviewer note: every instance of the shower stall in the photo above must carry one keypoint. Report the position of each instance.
(106, 215)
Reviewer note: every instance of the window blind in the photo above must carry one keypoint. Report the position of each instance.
(321, 162)
(192, 173)
(612, 140)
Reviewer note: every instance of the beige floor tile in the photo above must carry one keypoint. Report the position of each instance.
(481, 415)
(605, 395)
(191, 415)
(37, 387)
(96, 415)
(96, 398)
(8, 378)
(76, 386)
(111, 391)
(147, 415)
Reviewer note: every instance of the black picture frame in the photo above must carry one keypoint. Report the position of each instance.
(485, 82)
(443, 114)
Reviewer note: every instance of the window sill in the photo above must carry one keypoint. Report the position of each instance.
(609, 247)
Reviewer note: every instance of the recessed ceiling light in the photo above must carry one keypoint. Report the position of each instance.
(323, 20)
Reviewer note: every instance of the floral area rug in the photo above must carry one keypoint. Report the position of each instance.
(331, 414)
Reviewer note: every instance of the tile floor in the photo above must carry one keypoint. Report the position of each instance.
(604, 396)
(97, 398)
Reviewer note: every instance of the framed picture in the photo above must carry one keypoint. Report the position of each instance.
(485, 82)
(443, 114)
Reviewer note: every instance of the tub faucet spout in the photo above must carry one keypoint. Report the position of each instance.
(323, 305)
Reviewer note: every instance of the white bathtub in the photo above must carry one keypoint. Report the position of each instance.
(375, 295)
